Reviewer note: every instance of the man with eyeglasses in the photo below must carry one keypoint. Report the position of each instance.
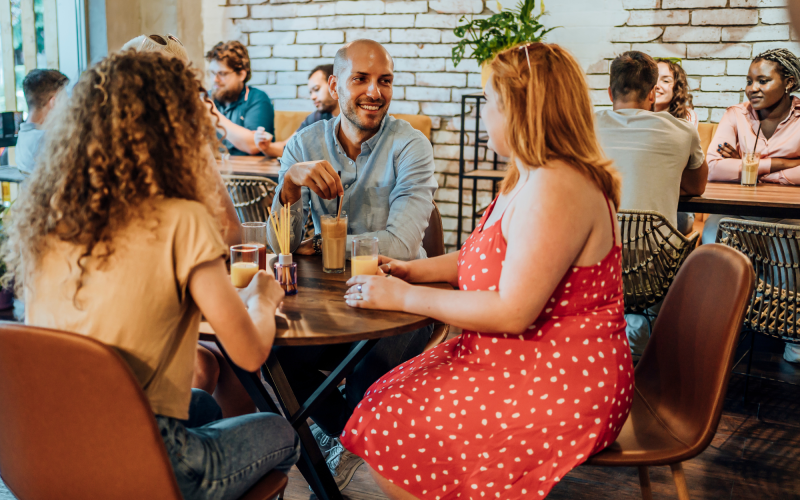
(241, 108)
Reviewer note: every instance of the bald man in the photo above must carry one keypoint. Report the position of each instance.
(387, 188)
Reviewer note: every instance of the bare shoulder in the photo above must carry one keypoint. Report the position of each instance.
(560, 182)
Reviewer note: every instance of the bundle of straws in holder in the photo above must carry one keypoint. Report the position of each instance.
(285, 269)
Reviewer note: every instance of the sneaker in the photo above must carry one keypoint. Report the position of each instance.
(343, 465)
(325, 442)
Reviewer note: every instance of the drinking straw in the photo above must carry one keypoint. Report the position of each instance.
(339, 202)
(275, 228)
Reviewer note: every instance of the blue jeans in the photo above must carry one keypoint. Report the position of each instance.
(220, 459)
(302, 364)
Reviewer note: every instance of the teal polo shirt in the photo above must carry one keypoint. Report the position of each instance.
(253, 109)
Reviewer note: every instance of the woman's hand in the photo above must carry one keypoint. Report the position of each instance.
(262, 287)
(394, 267)
(377, 292)
(728, 151)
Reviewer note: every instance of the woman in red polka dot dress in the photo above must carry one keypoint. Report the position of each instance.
(541, 378)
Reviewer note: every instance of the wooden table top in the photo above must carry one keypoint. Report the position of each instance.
(318, 314)
(764, 200)
(250, 165)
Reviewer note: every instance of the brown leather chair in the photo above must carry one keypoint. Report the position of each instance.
(433, 243)
(76, 425)
(683, 374)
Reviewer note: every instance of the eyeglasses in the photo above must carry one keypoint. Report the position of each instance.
(219, 74)
(162, 40)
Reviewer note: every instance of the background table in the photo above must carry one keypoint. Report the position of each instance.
(764, 200)
(251, 165)
(318, 315)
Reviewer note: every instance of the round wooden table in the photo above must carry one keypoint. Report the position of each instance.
(318, 315)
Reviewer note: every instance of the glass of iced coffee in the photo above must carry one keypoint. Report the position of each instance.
(750, 169)
(364, 256)
(334, 243)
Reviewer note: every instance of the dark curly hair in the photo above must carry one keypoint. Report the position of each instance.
(134, 130)
(232, 53)
(681, 97)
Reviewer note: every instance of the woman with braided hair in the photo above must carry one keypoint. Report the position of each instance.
(772, 77)
(773, 114)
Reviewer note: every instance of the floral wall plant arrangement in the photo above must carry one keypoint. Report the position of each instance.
(506, 29)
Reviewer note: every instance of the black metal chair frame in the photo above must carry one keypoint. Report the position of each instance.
(774, 250)
(653, 251)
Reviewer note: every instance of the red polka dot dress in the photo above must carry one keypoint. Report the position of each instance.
(504, 415)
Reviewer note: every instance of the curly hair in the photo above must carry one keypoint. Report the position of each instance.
(232, 53)
(134, 130)
(681, 98)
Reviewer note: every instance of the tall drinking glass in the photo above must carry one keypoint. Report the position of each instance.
(255, 233)
(334, 243)
(364, 258)
(750, 169)
(244, 264)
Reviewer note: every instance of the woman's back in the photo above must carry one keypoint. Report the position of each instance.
(136, 301)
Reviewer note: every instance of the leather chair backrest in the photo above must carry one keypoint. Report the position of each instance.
(287, 122)
(706, 131)
(684, 370)
(74, 422)
(433, 239)
(419, 122)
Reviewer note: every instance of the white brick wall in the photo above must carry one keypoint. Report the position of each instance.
(286, 38)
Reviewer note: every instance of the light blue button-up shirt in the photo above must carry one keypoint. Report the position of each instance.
(388, 189)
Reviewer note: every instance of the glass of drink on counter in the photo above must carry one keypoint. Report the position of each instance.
(334, 243)
(364, 257)
(750, 169)
(255, 233)
(244, 264)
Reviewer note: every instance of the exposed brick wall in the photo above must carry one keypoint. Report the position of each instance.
(287, 38)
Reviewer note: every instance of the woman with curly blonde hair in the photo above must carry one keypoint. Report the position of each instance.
(118, 238)
(535, 384)
(672, 91)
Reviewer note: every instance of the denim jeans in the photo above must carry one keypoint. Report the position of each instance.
(220, 459)
(302, 364)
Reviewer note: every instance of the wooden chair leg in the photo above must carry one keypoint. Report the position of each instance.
(680, 481)
(644, 482)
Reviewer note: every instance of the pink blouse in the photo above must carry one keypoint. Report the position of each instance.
(738, 128)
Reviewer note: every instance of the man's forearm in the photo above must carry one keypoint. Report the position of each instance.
(241, 138)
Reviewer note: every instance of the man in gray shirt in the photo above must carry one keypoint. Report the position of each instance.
(387, 188)
(41, 88)
(659, 156)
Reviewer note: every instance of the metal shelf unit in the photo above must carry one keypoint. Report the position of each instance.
(475, 174)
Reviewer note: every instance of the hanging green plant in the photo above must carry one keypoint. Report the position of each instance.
(506, 29)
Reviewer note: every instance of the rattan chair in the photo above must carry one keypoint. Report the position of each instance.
(252, 196)
(774, 251)
(652, 253)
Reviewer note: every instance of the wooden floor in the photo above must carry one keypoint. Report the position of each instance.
(755, 454)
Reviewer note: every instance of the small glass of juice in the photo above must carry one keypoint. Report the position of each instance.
(255, 233)
(244, 264)
(364, 256)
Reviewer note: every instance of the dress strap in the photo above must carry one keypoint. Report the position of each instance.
(613, 222)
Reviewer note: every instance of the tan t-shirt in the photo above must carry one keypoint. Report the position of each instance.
(650, 151)
(138, 302)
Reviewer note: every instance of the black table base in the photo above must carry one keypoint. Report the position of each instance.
(312, 464)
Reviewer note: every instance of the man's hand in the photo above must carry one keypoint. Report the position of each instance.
(318, 176)
(263, 139)
(306, 247)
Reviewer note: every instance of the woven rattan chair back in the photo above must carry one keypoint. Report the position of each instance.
(251, 195)
(774, 250)
(652, 252)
